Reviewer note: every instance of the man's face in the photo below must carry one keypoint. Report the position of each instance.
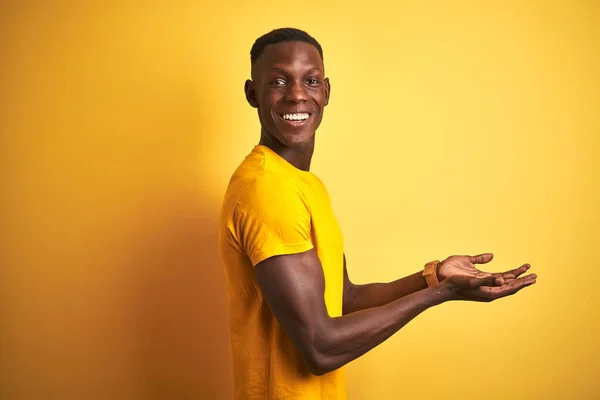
(290, 91)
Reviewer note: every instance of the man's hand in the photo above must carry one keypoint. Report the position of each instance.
(481, 289)
(459, 275)
(464, 265)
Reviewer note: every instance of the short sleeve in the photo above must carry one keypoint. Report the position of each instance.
(272, 218)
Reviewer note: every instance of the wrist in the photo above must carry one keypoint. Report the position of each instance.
(438, 294)
(437, 271)
(447, 291)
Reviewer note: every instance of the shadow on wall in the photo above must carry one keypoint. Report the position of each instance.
(181, 302)
(124, 295)
(178, 279)
(178, 283)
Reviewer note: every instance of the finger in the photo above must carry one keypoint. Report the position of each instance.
(498, 278)
(481, 258)
(515, 273)
(483, 281)
(496, 292)
(503, 278)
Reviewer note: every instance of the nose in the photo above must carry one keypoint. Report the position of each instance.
(296, 93)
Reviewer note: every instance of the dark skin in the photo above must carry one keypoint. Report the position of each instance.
(286, 79)
(289, 77)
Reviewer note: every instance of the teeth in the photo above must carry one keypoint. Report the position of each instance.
(296, 116)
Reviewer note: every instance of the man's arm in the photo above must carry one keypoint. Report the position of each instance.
(360, 297)
(294, 286)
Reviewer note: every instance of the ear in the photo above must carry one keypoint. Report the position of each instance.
(251, 93)
(327, 90)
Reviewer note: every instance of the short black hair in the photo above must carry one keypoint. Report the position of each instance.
(278, 36)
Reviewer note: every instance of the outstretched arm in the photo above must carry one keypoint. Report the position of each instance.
(294, 286)
(360, 297)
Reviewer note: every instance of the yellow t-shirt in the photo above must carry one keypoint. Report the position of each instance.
(272, 208)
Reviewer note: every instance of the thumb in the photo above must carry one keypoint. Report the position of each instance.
(487, 281)
(481, 258)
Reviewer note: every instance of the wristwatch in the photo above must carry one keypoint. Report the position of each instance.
(430, 274)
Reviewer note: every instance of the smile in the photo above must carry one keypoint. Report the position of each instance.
(295, 116)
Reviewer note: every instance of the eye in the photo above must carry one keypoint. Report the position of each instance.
(313, 81)
(278, 82)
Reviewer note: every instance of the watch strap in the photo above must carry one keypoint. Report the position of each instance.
(430, 274)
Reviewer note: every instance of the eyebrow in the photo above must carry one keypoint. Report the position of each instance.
(278, 69)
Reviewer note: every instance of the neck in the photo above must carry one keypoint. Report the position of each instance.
(299, 156)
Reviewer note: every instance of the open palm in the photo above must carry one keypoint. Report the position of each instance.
(465, 266)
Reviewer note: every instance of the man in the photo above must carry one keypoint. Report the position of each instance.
(295, 317)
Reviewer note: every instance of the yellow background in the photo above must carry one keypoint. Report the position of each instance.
(453, 128)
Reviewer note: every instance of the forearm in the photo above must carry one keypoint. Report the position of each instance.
(346, 338)
(360, 297)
